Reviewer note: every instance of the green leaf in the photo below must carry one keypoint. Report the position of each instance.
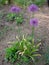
(24, 59)
(32, 58)
(34, 55)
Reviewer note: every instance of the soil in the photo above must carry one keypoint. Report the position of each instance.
(41, 31)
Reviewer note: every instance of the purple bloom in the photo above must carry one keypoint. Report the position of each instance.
(15, 9)
(33, 8)
(34, 22)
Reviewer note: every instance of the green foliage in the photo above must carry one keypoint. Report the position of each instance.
(28, 2)
(19, 19)
(22, 50)
(3, 1)
(15, 17)
(10, 54)
(22, 2)
(17, 64)
(11, 16)
(39, 2)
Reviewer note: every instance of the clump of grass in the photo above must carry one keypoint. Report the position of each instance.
(22, 50)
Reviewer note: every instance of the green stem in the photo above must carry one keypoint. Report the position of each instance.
(32, 32)
(19, 32)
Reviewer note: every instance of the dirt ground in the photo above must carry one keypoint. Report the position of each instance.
(41, 31)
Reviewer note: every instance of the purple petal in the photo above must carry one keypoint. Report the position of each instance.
(34, 22)
(33, 8)
(15, 9)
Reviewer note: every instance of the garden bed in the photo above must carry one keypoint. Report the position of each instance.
(9, 35)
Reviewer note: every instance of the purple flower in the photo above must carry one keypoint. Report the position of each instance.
(33, 8)
(15, 9)
(34, 22)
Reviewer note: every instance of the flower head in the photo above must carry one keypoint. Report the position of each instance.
(34, 22)
(33, 8)
(15, 9)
